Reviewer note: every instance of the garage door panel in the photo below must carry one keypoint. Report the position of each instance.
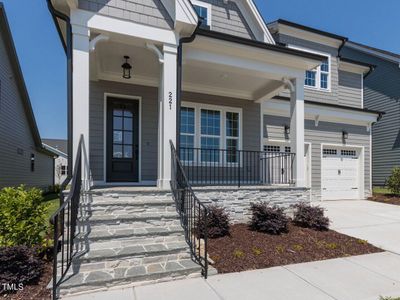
(340, 174)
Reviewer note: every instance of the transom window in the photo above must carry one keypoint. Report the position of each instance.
(211, 129)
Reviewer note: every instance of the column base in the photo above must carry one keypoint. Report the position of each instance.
(164, 184)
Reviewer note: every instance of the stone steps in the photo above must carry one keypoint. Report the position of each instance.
(123, 274)
(128, 238)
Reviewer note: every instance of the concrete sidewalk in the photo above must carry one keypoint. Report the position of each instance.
(378, 223)
(364, 277)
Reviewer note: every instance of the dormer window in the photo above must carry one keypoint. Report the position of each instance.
(204, 12)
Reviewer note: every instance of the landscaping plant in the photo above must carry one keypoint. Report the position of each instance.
(19, 265)
(217, 223)
(309, 216)
(23, 218)
(393, 182)
(269, 219)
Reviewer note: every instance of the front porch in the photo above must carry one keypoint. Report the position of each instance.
(216, 105)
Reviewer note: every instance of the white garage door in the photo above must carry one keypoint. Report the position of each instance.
(340, 173)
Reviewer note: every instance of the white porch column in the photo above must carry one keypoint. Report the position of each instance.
(80, 82)
(297, 129)
(167, 114)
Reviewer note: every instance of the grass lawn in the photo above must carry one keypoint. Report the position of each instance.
(380, 190)
(53, 200)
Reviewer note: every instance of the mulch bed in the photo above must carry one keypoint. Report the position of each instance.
(385, 198)
(36, 291)
(245, 249)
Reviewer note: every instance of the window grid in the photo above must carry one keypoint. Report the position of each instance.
(210, 135)
(330, 152)
(310, 78)
(187, 133)
(348, 152)
(272, 148)
(288, 149)
(232, 136)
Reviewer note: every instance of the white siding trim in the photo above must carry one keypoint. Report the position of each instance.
(121, 96)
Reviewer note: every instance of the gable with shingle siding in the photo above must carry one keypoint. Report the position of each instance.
(148, 12)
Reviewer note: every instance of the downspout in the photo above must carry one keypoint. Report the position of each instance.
(185, 40)
(68, 51)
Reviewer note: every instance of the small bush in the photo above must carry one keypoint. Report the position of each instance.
(393, 181)
(53, 189)
(269, 219)
(309, 216)
(217, 223)
(19, 265)
(23, 218)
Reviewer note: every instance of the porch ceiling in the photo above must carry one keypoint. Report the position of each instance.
(198, 76)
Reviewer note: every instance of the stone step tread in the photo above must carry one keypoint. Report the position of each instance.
(124, 210)
(133, 241)
(124, 232)
(131, 274)
(128, 217)
(133, 251)
(133, 201)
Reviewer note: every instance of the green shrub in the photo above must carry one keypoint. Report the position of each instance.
(23, 218)
(394, 181)
(19, 265)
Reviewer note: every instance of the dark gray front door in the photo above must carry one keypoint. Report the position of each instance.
(122, 140)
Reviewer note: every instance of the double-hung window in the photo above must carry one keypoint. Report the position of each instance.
(232, 137)
(187, 133)
(210, 135)
(318, 78)
(210, 129)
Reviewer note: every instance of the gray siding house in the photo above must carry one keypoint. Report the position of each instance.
(23, 160)
(381, 92)
(177, 104)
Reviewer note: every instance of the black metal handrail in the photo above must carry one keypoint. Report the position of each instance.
(64, 222)
(191, 211)
(236, 167)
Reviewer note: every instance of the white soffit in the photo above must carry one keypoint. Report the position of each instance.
(327, 114)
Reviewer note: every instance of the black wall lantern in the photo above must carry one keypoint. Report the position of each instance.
(287, 129)
(345, 135)
(126, 68)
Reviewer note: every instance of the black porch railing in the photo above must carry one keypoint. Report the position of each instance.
(64, 222)
(191, 211)
(236, 167)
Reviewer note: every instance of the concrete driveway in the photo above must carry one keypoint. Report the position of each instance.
(378, 223)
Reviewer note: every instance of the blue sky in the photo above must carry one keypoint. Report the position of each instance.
(371, 22)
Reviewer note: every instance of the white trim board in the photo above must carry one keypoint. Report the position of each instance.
(128, 97)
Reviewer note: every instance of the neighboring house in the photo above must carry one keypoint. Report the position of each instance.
(61, 162)
(23, 160)
(381, 92)
(245, 104)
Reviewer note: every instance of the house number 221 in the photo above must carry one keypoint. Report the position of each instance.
(170, 100)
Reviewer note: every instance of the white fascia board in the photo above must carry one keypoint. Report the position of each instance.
(353, 68)
(384, 56)
(306, 35)
(54, 150)
(106, 24)
(327, 114)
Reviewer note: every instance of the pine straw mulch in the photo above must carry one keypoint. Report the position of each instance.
(34, 291)
(245, 249)
(385, 198)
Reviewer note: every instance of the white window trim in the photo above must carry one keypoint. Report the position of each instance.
(223, 110)
(208, 6)
(318, 69)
